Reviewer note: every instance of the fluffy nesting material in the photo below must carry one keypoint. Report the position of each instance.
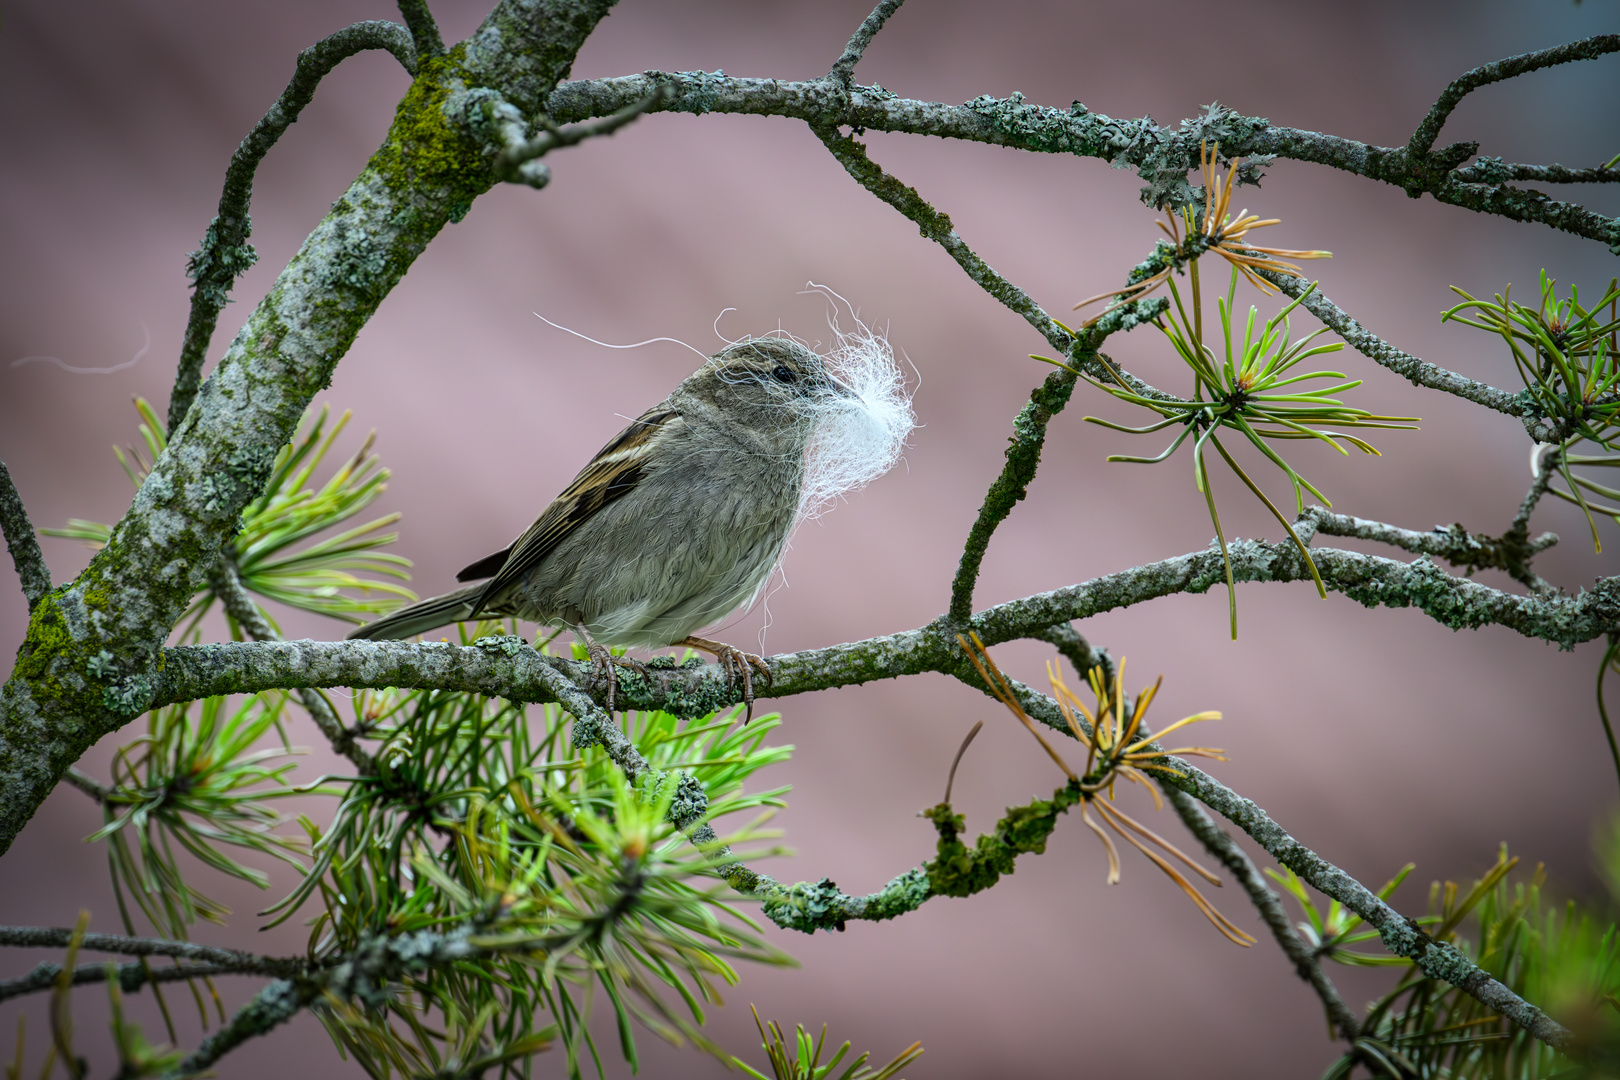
(860, 437)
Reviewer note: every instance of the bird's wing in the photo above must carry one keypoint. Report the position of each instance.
(612, 474)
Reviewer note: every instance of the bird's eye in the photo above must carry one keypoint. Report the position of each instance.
(782, 373)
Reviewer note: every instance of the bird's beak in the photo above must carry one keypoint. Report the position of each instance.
(841, 390)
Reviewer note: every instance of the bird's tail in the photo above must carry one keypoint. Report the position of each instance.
(427, 615)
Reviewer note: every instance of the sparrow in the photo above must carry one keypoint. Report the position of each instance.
(675, 523)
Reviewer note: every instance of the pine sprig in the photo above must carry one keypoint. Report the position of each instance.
(1251, 390)
(346, 576)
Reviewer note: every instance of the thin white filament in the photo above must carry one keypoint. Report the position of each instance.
(131, 362)
(606, 345)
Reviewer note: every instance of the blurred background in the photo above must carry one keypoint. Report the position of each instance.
(1375, 736)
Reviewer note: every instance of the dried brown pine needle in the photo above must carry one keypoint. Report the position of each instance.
(1108, 733)
(1214, 231)
(1003, 692)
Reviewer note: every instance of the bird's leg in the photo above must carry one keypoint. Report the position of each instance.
(603, 663)
(736, 664)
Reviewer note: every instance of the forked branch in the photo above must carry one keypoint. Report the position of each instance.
(1429, 130)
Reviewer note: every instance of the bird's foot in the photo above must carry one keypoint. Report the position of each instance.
(738, 666)
(604, 667)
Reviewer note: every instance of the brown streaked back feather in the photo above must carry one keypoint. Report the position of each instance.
(611, 475)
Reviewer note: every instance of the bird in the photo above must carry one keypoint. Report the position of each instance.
(675, 523)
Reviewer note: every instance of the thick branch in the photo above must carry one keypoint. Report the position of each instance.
(22, 543)
(89, 663)
(1429, 130)
(225, 252)
(1219, 843)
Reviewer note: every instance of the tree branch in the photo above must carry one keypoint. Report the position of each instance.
(1465, 84)
(1219, 843)
(86, 783)
(505, 667)
(1497, 171)
(1162, 156)
(225, 252)
(1073, 646)
(843, 69)
(129, 977)
(1400, 935)
(270, 1008)
(226, 583)
(89, 663)
(1023, 458)
(515, 161)
(1418, 372)
(1511, 552)
(22, 543)
(58, 937)
(936, 226)
(424, 31)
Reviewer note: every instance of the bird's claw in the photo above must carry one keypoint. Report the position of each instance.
(604, 665)
(739, 665)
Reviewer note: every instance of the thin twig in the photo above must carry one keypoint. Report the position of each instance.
(1400, 935)
(57, 937)
(936, 226)
(1418, 372)
(1498, 172)
(1078, 651)
(1429, 130)
(518, 153)
(129, 977)
(225, 252)
(1609, 655)
(226, 583)
(1527, 506)
(22, 543)
(1219, 843)
(1511, 552)
(424, 31)
(1023, 458)
(86, 783)
(843, 69)
(271, 1007)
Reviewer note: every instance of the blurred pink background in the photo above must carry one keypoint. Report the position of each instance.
(1376, 737)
